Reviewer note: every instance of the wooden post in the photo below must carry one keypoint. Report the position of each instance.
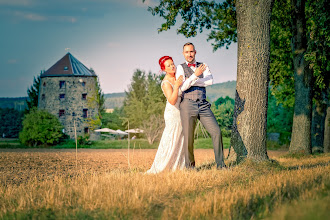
(75, 136)
(128, 142)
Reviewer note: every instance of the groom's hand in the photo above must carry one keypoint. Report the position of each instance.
(199, 71)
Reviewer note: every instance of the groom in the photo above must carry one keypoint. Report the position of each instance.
(194, 106)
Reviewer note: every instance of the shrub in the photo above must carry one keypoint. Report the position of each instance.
(84, 140)
(225, 132)
(40, 128)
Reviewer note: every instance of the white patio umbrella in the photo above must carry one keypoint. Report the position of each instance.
(121, 132)
(108, 130)
(135, 130)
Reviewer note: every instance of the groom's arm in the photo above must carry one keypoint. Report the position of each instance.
(207, 79)
(187, 83)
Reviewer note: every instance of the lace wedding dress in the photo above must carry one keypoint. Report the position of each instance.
(170, 154)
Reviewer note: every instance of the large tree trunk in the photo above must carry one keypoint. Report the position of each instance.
(302, 118)
(250, 116)
(318, 117)
(326, 142)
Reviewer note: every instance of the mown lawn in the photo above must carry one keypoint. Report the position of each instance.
(200, 143)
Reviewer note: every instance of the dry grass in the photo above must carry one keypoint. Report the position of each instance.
(46, 184)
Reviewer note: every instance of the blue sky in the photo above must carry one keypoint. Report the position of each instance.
(114, 37)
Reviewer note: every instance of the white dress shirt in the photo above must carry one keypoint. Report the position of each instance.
(194, 80)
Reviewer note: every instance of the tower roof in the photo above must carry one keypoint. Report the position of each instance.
(68, 66)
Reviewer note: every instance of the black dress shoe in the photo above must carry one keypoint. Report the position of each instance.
(191, 166)
(222, 167)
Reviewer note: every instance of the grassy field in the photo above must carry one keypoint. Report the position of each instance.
(282, 188)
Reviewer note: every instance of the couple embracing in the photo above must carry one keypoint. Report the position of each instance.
(184, 88)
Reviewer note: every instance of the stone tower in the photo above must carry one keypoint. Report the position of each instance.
(66, 90)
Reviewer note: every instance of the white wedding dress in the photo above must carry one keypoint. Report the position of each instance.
(170, 154)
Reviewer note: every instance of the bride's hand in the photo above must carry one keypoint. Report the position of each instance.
(179, 81)
(199, 71)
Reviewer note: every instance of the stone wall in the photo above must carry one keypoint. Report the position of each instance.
(70, 99)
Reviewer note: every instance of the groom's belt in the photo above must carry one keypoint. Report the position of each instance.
(195, 93)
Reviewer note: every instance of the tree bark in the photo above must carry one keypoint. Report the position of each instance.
(326, 142)
(318, 123)
(250, 115)
(302, 118)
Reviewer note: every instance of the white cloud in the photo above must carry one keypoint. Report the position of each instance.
(12, 61)
(37, 17)
(16, 2)
(66, 19)
(29, 16)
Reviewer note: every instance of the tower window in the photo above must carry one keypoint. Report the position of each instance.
(84, 96)
(86, 130)
(43, 97)
(66, 68)
(62, 96)
(83, 84)
(85, 113)
(62, 84)
(44, 84)
(61, 112)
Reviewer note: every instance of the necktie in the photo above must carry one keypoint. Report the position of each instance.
(189, 65)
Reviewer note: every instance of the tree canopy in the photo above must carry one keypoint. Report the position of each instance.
(33, 94)
(145, 103)
(196, 16)
(95, 100)
(40, 128)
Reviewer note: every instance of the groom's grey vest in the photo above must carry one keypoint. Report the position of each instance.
(194, 92)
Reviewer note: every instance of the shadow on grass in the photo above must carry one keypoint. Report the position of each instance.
(247, 164)
(309, 166)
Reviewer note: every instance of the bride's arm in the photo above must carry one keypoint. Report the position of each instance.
(172, 94)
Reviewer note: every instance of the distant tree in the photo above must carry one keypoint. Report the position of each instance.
(113, 120)
(223, 109)
(318, 19)
(279, 119)
(153, 127)
(10, 122)
(303, 81)
(299, 45)
(95, 100)
(40, 128)
(99, 95)
(33, 94)
(133, 105)
(144, 102)
(326, 141)
(221, 101)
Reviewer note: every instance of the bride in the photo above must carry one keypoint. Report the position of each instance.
(170, 155)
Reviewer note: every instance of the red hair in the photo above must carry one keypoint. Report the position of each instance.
(162, 61)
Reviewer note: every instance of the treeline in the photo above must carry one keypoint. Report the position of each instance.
(144, 106)
(116, 100)
(10, 122)
(15, 103)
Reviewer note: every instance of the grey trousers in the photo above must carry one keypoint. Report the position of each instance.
(191, 111)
